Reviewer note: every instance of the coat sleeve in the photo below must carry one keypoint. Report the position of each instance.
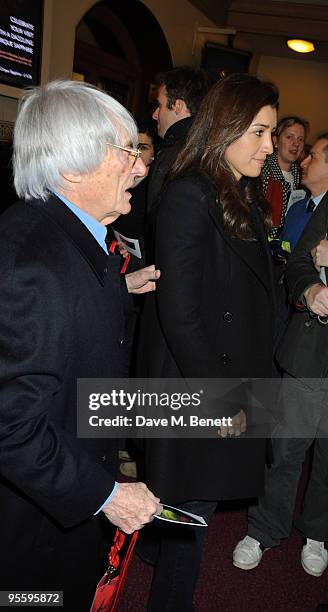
(37, 456)
(182, 234)
(300, 272)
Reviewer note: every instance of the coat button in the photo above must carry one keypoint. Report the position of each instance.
(121, 341)
(105, 270)
(308, 323)
(227, 317)
(103, 458)
(225, 358)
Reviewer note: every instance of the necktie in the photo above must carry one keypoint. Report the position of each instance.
(310, 206)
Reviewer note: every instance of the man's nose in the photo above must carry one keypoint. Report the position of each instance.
(306, 161)
(139, 168)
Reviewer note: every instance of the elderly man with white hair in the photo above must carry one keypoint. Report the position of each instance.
(62, 317)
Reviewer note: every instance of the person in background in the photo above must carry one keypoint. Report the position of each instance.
(180, 93)
(133, 224)
(302, 406)
(147, 143)
(281, 172)
(214, 314)
(63, 306)
(315, 179)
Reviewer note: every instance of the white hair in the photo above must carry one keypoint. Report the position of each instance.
(63, 127)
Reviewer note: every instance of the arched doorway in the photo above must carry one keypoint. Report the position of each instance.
(119, 47)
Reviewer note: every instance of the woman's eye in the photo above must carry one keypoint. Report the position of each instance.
(259, 132)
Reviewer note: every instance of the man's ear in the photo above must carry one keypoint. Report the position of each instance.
(72, 178)
(180, 107)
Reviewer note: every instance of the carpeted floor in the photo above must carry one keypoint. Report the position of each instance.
(279, 584)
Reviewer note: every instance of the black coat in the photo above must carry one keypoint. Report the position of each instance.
(212, 317)
(172, 142)
(61, 318)
(303, 352)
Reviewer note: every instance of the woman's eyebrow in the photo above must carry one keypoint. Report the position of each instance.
(264, 125)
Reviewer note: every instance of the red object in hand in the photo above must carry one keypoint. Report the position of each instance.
(109, 588)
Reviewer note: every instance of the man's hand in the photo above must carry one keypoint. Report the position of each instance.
(320, 254)
(132, 506)
(142, 281)
(317, 299)
(237, 427)
(122, 250)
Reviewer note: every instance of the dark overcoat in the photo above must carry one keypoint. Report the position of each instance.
(61, 318)
(303, 351)
(211, 317)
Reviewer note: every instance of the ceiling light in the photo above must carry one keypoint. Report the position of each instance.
(301, 46)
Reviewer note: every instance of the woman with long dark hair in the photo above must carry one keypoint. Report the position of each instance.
(212, 316)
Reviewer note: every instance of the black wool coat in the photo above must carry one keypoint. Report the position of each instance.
(62, 317)
(212, 317)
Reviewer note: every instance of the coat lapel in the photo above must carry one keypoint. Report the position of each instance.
(58, 213)
(240, 249)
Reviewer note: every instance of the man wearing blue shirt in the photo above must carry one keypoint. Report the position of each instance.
(63, 307)
(315, 178)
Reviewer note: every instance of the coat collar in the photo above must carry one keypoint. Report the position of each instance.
(57, 212)
(177, 132)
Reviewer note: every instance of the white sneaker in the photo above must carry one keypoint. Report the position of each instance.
(314, 557)
(247, 554)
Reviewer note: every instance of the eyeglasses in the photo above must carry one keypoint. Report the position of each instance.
(134, 154)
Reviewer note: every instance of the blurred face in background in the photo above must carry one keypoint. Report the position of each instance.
(164, 116)
(290, 145)
(246, 156)
(315, 168)
(146, 147)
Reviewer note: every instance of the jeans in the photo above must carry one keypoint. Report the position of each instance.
(178, 562)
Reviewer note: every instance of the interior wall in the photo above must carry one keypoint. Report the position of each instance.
(65, 17)
(179, 21)
(303, 89)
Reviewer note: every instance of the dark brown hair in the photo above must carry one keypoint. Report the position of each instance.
(224, 116)
(184, 83)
